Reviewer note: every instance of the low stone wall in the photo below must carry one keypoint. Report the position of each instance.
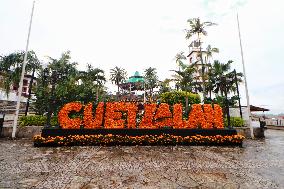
(275, 127)
(22, 132)
(245, 131)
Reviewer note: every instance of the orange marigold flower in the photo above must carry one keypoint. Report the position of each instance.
(91, 121)
(63, 116)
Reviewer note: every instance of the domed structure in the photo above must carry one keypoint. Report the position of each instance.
(133, 83)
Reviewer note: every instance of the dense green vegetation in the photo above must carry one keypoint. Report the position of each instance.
(60, 81)
(36, 120)
(175, 97)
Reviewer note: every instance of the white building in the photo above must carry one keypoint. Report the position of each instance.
(235, 112)
(12, 96)
(194, 58)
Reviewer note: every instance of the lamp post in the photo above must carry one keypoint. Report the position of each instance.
(238, 93)
(30, 92)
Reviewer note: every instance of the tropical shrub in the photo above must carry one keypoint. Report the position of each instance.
(176, 97)
(235, 122)
(36, 120)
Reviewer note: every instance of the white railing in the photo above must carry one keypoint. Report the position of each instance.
(277, 122)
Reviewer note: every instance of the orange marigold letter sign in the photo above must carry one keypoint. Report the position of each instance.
(63, 116)
(113, 115)
(119, 113)
(196, 117)
(177, 119)
(163, 116)
(209, 115)
(131, 109)
(147, 120)
(218, 116)
(89, 121)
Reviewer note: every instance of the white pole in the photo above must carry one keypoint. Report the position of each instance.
(245, 78)
(22, 78)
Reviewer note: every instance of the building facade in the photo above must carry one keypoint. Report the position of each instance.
(12, 96)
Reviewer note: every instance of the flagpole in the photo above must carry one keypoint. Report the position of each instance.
(22, 77)
(245, 78)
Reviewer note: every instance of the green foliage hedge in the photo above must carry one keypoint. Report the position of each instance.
(175, 97)
(235, 122)
(36, 120)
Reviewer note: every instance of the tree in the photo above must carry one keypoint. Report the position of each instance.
(117, 76)
(65, 83)
(185, 78)
(198, 27)
(179, 59)
(165, 86)
(65, 88)
(209, 53)
(223, 70)
(151, 80)
(210, 82)
(11, 67)
(222, 83)
(92, 83)
(209, 77)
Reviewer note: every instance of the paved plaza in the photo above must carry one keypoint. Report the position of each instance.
(259, 164)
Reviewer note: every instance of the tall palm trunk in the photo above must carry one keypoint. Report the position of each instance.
(202, 69)
(151, 94)
(117, 94)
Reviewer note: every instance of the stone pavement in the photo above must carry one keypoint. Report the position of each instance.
(259, 164)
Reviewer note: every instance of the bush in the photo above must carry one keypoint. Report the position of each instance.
(235, 122)
(36, 120)
(111, 140)
(175, 97)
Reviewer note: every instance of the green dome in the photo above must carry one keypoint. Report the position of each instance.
(136, 78)
(135, 82)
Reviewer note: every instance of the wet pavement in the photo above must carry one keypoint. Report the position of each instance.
(259, 164)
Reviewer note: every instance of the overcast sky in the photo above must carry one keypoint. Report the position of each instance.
(137, 34)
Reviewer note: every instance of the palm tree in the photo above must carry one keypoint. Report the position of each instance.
(198, 27)
(209, 77)
(209, 53)
(220, 73)
(210, 82)
(92, 80)
(185, 78)
(165, 86)
(151, 80)
(93, 75)
(117, 76)
(11, 67)
(179, 57)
